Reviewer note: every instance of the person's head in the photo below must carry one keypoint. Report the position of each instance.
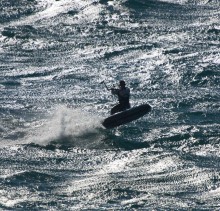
(122, 83)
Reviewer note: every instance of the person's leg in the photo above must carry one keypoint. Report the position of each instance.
(128, 106)
(116, 109)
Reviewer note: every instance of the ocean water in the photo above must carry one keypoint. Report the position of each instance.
(54, 152)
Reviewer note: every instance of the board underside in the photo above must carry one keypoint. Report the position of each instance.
(126, 116)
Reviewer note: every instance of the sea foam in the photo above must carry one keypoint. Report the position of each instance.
(67, 125)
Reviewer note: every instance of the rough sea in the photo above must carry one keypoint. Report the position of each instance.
(54, 152)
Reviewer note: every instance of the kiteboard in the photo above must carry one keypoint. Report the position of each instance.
(126, 116)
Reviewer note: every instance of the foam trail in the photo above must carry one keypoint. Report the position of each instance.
(68, 126)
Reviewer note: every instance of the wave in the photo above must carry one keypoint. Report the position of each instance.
(12, 83)
(9, 13)
(26, 177)
(181, 2)
(39, 10)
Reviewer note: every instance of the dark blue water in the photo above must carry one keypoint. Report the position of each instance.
(55, 154)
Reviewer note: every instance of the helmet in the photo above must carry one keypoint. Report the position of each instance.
(122, 83)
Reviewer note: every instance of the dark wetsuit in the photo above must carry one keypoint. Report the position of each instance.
(123, 98)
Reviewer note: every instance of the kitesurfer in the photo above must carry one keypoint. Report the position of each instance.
(123, 94)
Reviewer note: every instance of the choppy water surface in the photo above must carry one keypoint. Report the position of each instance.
(55, 154)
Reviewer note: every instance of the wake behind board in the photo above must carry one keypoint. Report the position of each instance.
(126, 116)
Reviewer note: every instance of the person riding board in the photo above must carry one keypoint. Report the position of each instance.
(123, 94)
